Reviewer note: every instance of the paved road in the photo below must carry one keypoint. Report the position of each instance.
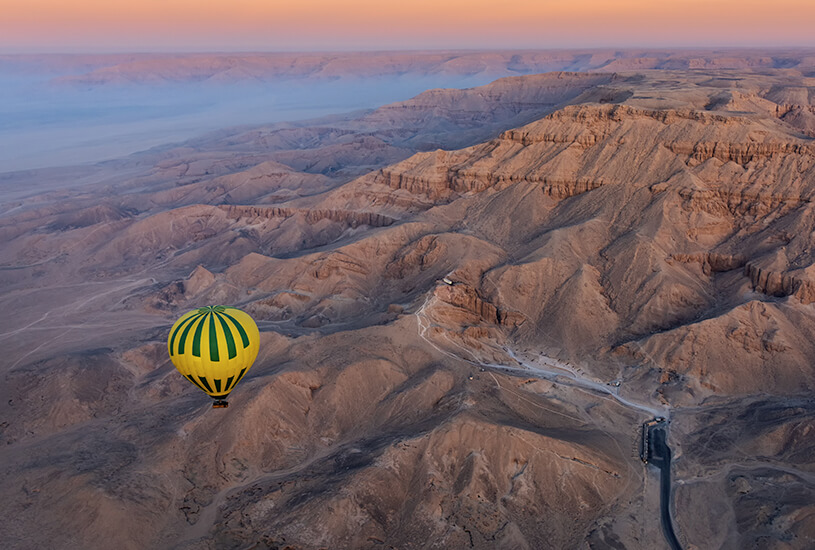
(660, 456)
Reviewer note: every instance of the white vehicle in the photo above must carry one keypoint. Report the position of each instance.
(447, 281)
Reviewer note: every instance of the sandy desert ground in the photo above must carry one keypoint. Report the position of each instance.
(650, 222)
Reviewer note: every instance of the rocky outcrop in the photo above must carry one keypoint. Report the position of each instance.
(527, 138)
(740, 153)
(464, 180)
(446, 184)
(421, 254)
(779, 284)
(711, 262)
(724, 202)
(337, 264)
(469, 299)
(587, 114)
(436, 187)
(553, 187)
(801, 117)
(350, 218)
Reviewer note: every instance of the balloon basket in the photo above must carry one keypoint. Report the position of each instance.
(220, 404)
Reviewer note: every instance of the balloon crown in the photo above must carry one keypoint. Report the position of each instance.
(210, 309)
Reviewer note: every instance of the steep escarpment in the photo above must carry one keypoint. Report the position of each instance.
(351, 218)
(478, 111)
(712, 262)
(430, 174)
(782, 284)
(740, 204)
(739, 153)
(476, 309)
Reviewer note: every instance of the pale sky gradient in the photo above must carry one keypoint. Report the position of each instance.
(275, 25)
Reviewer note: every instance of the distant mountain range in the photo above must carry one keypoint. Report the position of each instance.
(107, 69)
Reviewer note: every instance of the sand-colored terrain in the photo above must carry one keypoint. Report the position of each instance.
(651, 227)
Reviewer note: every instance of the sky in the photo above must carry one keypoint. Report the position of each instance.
(57, 26)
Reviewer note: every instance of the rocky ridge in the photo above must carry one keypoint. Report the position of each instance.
(158, 68)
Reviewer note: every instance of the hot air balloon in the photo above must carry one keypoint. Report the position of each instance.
(213, 347)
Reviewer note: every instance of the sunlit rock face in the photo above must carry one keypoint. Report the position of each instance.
(468, 304)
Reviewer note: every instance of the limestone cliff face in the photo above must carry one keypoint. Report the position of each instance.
(740, 203)
(712, 262)
(423, 254)
(739, 153)
(350, 218)
(782, 284)
(432, 178)
(476, 309)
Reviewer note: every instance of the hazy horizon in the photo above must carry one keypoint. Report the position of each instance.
(85, 108)
(45, 125)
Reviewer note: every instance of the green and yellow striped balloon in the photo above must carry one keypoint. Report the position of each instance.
(213, 347)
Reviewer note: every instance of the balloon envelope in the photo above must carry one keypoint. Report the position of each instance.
(213, 347)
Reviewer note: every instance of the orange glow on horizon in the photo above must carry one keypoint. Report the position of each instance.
(368, 24)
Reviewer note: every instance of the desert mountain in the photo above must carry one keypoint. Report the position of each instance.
(104, 70)
(651, 228)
